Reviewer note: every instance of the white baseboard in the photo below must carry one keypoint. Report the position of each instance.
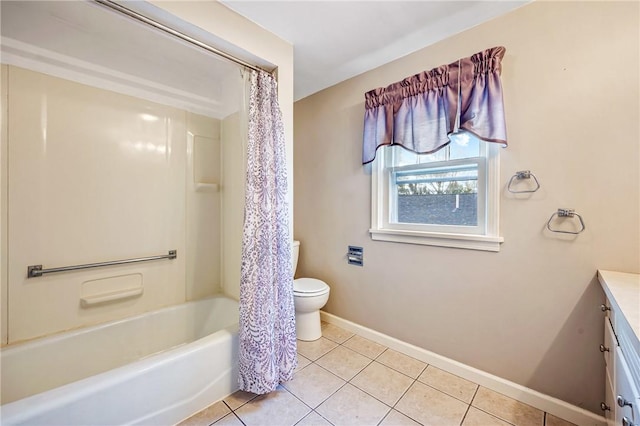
(536, 399)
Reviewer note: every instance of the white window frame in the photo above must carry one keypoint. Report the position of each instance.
(483, 237)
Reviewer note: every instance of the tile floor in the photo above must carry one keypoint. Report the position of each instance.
(345, 379)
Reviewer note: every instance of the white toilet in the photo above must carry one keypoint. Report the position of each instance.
(309, 295)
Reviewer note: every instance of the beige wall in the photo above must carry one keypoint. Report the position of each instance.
(529, 313)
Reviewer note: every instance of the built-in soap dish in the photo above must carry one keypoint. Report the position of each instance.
(207, 187)
(88, 301)
(110, 289)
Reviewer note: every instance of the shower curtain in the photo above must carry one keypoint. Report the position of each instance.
(267, 316)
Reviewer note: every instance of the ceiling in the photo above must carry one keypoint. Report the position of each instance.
(336, 40)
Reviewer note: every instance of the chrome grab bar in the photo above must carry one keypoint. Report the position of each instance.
(34, 271)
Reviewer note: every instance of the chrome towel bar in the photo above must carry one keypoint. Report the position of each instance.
(37, 271)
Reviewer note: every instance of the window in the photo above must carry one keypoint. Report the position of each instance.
(447, 198)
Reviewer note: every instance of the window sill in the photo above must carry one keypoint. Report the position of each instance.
(463, 241)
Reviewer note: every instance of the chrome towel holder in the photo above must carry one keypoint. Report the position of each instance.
(566, 213)
(523, 174)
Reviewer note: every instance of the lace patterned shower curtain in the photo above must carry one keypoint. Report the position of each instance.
(267, 315)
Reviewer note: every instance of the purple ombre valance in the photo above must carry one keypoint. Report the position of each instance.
(420, 112)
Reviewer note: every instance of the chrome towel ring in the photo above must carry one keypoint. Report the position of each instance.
(566, 213)
(523, 174)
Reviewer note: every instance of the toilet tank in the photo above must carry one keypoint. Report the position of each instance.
(295, 251)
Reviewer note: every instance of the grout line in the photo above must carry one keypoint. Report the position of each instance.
(327, 420)
(334, 392)
(238, 418)
(448, 394)
(371, 361)
(403, 394)
(388, 405)
(474, 394)
(224, 402)
(465, 414)
(494, 415)
(385, 416)
(400, 399)
(296, 397)
(402, 372)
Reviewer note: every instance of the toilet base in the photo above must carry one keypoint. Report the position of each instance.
(308, 325)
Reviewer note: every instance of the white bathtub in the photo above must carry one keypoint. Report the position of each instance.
(153, 369)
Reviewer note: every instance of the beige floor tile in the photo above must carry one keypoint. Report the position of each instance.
(508, 409)
(313, 385)
(395, 418)
(402, 363)
(350, 406)
(209, 415)
(476, 417)
(302, 363)
(313, 419)
(279, 404)
(552, 420)
(449, 383)
(364, 346)
(229, 420)
(429, 406)
(382, 382)
(238, 399)
(343, 362)
(335, 333)
(317, 348)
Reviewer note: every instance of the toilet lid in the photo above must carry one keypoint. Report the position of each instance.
(309, 285)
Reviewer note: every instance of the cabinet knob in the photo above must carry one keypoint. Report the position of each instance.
(604, 349)
(604, 308)
(623, 402)
(627, 422)
(604, 407)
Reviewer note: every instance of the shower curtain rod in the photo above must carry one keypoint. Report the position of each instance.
(145, 20)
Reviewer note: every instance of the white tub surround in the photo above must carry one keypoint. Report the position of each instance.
(156, 368)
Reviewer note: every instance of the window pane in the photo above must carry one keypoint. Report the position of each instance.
(403, 157)
(438, 196)
(464, 145)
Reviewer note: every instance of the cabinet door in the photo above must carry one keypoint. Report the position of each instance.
(608, 346)
(626, 394)
(608, 309)
(609, 401)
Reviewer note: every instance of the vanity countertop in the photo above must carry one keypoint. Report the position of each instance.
(623, 289)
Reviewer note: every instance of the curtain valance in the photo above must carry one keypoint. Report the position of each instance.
(421, 111)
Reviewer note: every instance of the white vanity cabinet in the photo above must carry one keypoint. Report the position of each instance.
(621, 347)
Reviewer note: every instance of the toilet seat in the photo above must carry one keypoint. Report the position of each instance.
(309, 287)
